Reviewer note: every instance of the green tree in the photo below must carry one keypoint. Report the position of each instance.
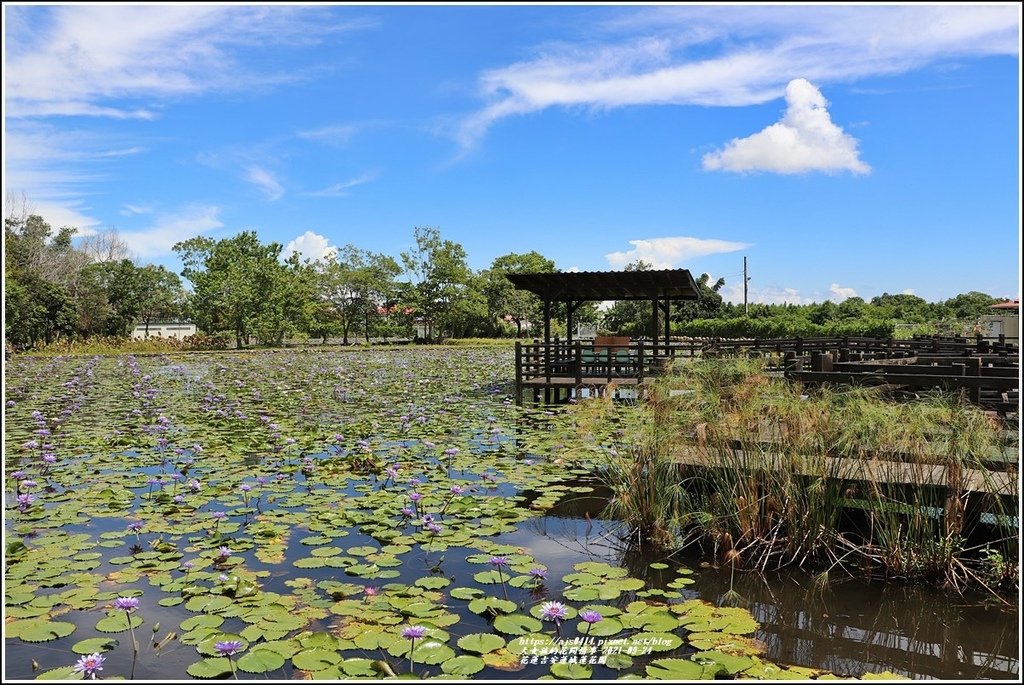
(358, 284)
(440, 277)
(238, 284)
(504, 299)
(708, 306)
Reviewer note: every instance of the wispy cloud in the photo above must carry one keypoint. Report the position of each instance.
(168, 229)
(665, 253)
(338, 135)
(804, 140)
(123, 61)
(57, 169)
(310, 245)
(265, 181)
(134, 210)
(717, 56)
(341, 189)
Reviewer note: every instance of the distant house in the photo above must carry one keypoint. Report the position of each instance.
(165, 329)
(1004, 321)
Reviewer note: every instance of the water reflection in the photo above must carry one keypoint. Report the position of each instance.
(848, 628)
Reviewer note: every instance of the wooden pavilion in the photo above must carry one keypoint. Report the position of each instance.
(560, 368)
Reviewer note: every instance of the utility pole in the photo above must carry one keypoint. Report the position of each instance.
(746, 310)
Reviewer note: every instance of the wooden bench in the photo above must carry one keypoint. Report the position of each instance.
(614, 343)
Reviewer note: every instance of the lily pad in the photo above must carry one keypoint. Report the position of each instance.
(260, 661)
(463, 665)
(517, 624)
(481, 643)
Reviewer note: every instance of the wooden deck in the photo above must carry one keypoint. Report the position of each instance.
(987, 371)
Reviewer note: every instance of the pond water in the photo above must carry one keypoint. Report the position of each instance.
(249, 498)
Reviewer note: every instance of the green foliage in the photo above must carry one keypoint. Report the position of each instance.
(790, 326)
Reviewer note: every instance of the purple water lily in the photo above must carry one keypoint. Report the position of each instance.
(89, 664)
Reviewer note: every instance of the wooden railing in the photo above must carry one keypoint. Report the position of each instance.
(987, 370)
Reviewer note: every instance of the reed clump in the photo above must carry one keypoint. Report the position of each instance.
(766, 473)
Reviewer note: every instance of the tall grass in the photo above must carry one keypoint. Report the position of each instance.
(766, 474)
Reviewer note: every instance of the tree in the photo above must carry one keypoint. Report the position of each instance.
(629, 317)
(358, 283)
(709, 306)
(160, 295)
(237, 283)
(504, 299)
(440, 276)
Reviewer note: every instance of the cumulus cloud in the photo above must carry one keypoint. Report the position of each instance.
(265, 181)
(733, 292)
(908, 291)
(805, 140)
(716, 56)
(839, 293)
(664, 253)
(168, 229)
(310, 245)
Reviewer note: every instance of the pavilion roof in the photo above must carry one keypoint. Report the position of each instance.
(673, 284)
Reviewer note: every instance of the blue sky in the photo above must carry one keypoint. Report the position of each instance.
(843, 150)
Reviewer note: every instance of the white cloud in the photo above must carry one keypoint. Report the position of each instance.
(336, 136)
(59, 215)
(573, 270)
(265, 181)
(804, 140)
(746, 56)
(89, 59)
(169, 229)
(310, 245)
(733, 292)
(341, 189)
(664, 253)
(839, 293)
(908, 291)
(134, 210)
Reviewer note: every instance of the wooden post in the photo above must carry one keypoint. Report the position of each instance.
(519, 374)
(579, 366)
(974, 369)
(640, 363)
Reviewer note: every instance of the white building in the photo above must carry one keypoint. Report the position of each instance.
(165, 329)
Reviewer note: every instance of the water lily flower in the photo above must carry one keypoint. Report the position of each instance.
(407, 512)
(590, 616)
(415, 496)
(498, 561)
(28, 484)
(135, 526)
(25, 501)
(245, 487)
(451, 451)
(224, 552)
(553, 611)
(89, 664)
(434, 528)
(371, 591)
(413, 632)
(126, 603)
(457, 490)
(219, 515)
(538, 573)
(228, 648)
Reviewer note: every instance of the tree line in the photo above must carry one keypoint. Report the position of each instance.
(58, 287)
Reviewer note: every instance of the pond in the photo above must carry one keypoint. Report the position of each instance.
(368, 513)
